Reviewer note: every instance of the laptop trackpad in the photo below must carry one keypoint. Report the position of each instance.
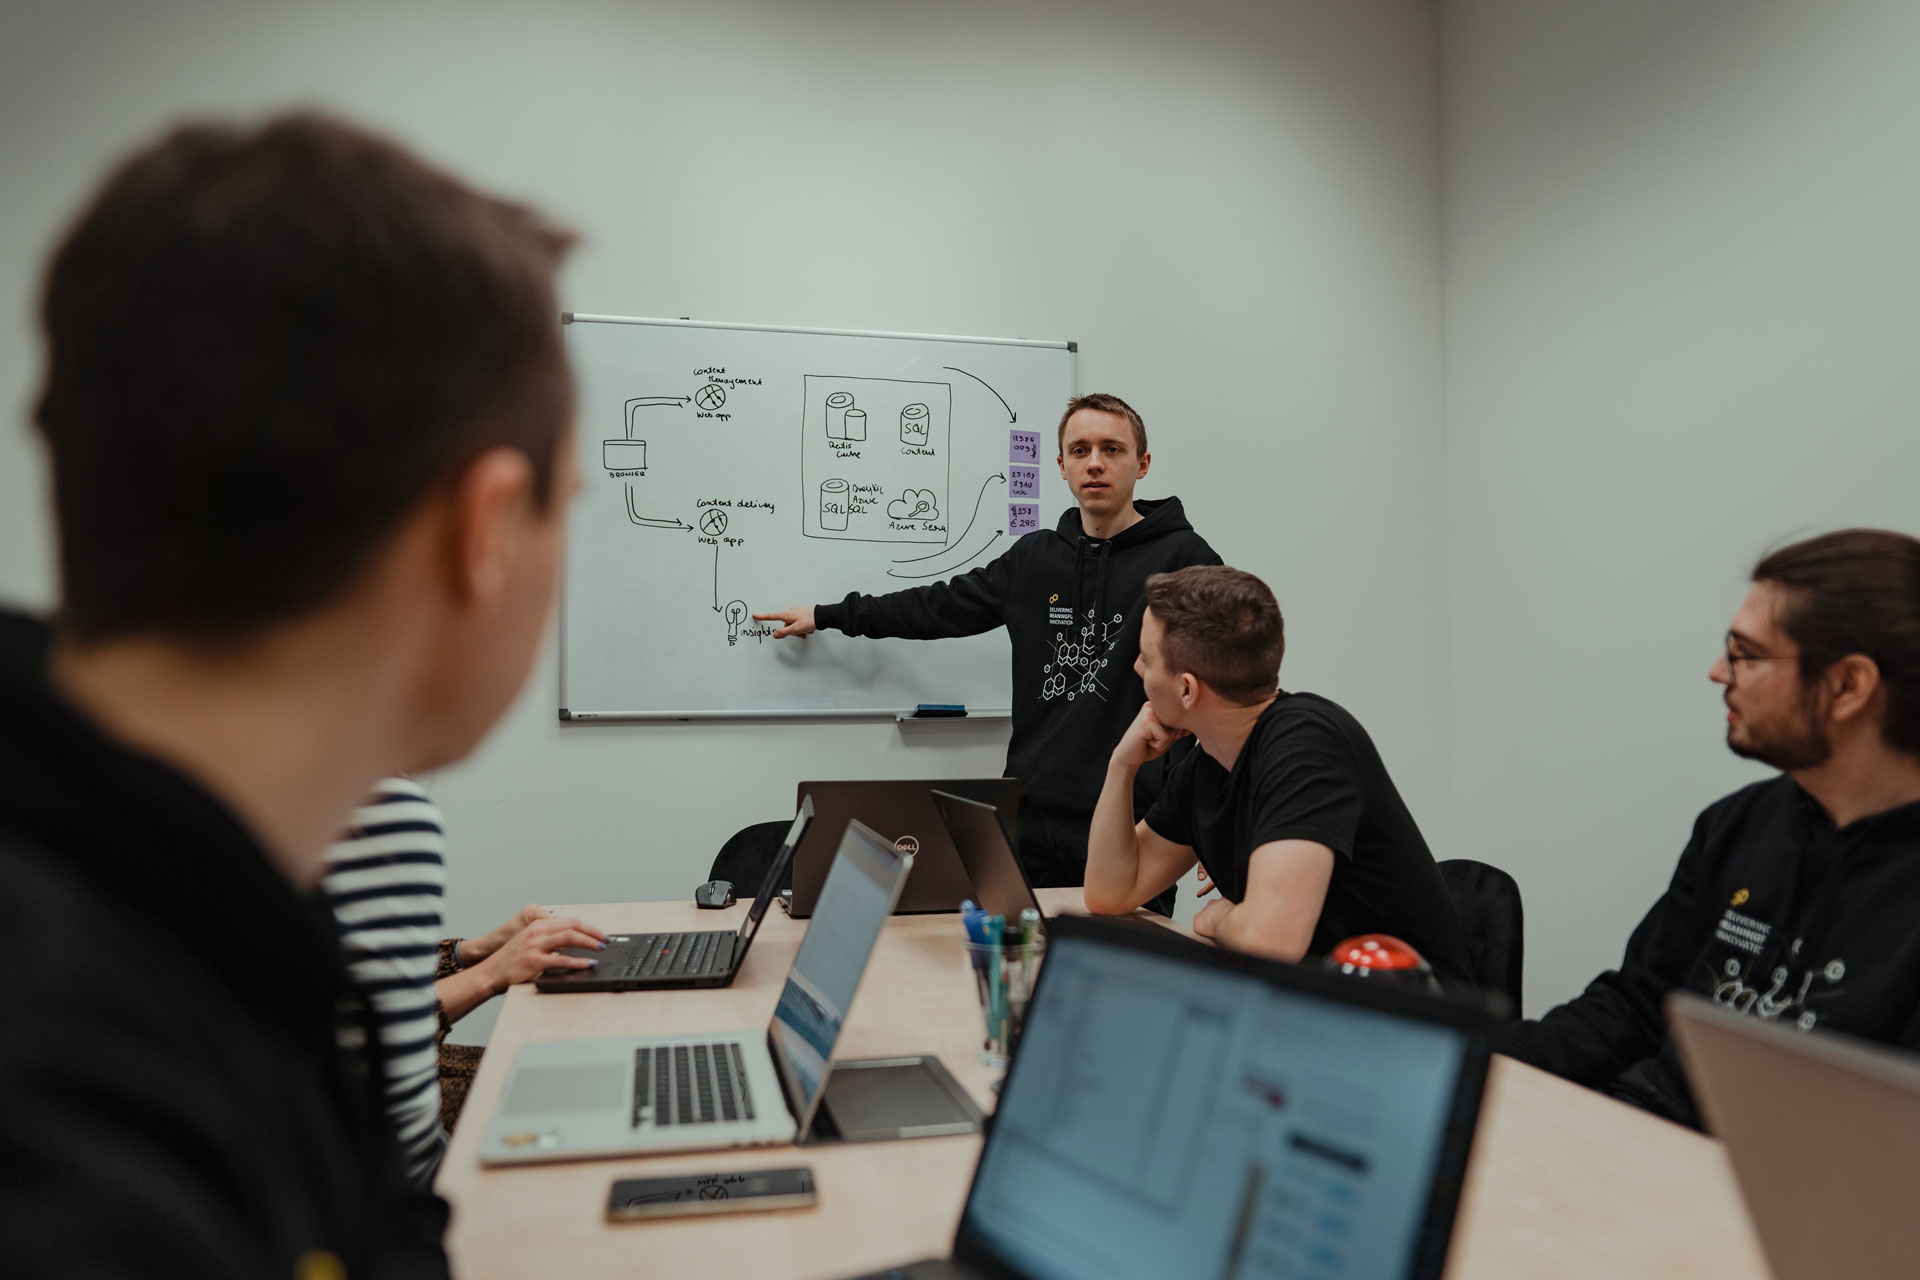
(543, 1090)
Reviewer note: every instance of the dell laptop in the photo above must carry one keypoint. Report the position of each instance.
(1822, 1130)
(902, 811)
(708, 958)
(1179, 1110)
(572, 1099)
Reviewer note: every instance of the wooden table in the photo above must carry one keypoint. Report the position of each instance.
(1564, 1182)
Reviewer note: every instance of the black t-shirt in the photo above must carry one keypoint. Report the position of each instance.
(1308, 771)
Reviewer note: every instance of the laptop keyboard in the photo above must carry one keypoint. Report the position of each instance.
(678, 1084)
(673, 954)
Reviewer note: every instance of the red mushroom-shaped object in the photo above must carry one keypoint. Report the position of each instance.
(1385, 957)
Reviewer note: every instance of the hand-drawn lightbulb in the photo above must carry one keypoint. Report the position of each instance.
(736, 613)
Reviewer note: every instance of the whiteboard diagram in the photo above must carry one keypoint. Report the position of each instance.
(732, 470)
(890, 487)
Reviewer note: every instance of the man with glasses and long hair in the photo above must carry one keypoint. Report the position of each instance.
(1798, 898)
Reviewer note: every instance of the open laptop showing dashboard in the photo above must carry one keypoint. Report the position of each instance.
(1179, 1110)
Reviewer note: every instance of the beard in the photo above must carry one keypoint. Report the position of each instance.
(1793, 739)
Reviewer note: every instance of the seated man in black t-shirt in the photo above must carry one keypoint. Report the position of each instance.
(1286, 804)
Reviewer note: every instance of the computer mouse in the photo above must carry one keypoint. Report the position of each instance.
(714, 894)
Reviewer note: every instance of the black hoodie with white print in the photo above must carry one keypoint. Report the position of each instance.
(1071, 605)
(1773, 912)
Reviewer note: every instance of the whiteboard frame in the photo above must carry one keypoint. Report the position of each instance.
(902, 715)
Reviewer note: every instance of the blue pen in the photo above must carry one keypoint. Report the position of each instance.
(974, 920)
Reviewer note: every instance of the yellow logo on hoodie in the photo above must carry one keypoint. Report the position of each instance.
(1740, 898)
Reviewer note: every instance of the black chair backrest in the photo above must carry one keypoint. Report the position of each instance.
(747, 854)
(1488, 901)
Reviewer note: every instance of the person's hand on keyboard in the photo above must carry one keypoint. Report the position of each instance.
(536, 948)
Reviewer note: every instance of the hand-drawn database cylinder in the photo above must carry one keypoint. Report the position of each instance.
(913, 424)
(833, 504)
(844, 422)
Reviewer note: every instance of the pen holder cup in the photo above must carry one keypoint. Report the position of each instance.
(1003, 976)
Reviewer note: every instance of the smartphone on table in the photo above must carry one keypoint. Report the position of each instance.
(741, 1191)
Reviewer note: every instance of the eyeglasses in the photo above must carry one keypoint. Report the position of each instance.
(1735, 659)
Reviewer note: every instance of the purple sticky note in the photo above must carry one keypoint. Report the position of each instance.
(1022, 517)
(1026, 446)
(1023, 482)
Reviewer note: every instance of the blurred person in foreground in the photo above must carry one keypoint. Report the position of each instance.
(309, 424)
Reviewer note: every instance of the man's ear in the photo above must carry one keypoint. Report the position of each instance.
(1146, 460)
(1189, 689)
(1851, 685)
(490, 498)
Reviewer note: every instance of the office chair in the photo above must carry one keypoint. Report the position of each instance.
(1488, 901)
(747, 854)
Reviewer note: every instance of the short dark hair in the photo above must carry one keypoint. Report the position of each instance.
(1105, 403)
(1222, 625)
(265, 346)
(1856, 591)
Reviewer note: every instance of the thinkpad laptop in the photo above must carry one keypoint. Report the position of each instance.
(1822, 1131)
(709, 958)
(902, 811)
(571, 1099)
(1178, 1110)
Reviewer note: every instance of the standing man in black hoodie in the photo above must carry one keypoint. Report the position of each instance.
(1070, 599)
(1798, 899)
(309, 421)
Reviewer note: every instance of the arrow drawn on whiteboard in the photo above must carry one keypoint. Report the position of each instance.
(1011, 415)
(964, 532)
(652, 522)
(716, 577)
(941, 573)
(650, 402)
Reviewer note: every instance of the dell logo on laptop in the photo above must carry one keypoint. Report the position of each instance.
(907, 844)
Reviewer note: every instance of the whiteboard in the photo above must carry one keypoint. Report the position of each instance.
(733, 469)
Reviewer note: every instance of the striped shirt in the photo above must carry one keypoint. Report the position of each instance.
(386, 880)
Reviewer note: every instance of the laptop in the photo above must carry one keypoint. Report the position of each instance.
(709, 958)
(1822, 1131)
(572, 1099)
(901, 810)
(1179, 1110)
(985, 851)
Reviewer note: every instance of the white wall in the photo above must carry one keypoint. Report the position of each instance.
(1682, 303)
(1234, 208)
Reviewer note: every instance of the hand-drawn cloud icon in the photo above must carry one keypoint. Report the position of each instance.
(915, 504)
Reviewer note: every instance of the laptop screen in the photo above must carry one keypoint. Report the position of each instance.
(1167, 1118)
(771, 885)
(854, 904)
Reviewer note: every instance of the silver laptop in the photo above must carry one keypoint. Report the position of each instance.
(1823, 1131)
(572, 1099)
